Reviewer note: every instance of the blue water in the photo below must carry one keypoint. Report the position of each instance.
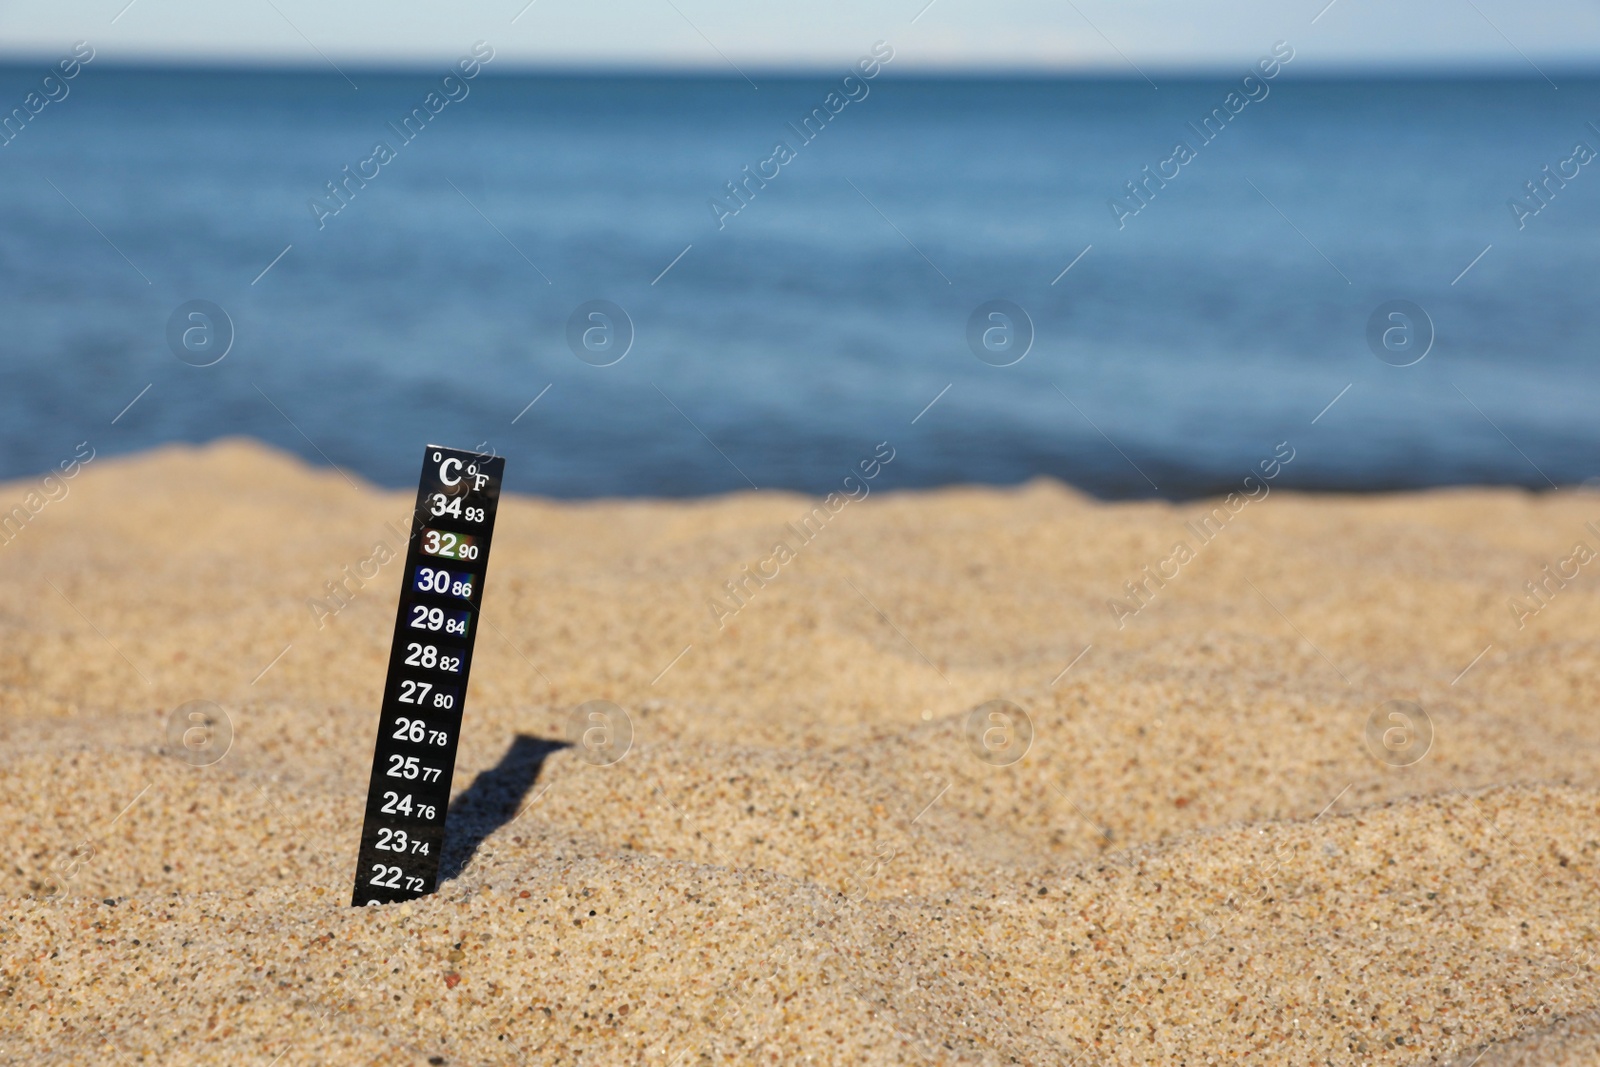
(832, 309)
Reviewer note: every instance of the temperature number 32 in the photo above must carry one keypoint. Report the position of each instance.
(451, 505)
(449, 545)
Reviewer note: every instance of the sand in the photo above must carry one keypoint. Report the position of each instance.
(807, 854)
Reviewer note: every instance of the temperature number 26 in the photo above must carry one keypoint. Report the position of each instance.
(417, 730)
(451, 505)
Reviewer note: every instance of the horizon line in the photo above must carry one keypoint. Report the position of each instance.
(1443, 68)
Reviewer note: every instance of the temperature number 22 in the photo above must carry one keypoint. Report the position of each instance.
(389, 878)
(451, 505)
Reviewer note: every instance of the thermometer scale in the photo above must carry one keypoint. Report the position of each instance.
(434, 631)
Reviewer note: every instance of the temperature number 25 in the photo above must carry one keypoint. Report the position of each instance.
(451, 505)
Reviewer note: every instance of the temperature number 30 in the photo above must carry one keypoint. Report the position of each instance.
(432, 580)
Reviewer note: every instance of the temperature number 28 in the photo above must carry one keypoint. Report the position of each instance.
(420, 655)
(451, 505)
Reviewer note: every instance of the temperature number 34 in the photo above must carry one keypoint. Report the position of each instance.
(451, 505)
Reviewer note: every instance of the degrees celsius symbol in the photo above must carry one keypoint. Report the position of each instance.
(434, 631)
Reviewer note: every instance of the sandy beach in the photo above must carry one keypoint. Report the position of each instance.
(1208, 841)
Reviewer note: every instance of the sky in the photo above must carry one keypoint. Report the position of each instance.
(1093, 36)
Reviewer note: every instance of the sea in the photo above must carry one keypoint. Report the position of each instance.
(648, 285)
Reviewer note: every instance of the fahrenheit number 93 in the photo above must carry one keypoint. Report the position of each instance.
(451, 505)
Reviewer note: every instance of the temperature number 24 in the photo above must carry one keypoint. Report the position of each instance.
(395, 804)
(451, 505)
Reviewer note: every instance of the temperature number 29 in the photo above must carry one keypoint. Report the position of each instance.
(451, 505)
(426, 618)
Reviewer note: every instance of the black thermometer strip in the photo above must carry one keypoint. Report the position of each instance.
(434, 630)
